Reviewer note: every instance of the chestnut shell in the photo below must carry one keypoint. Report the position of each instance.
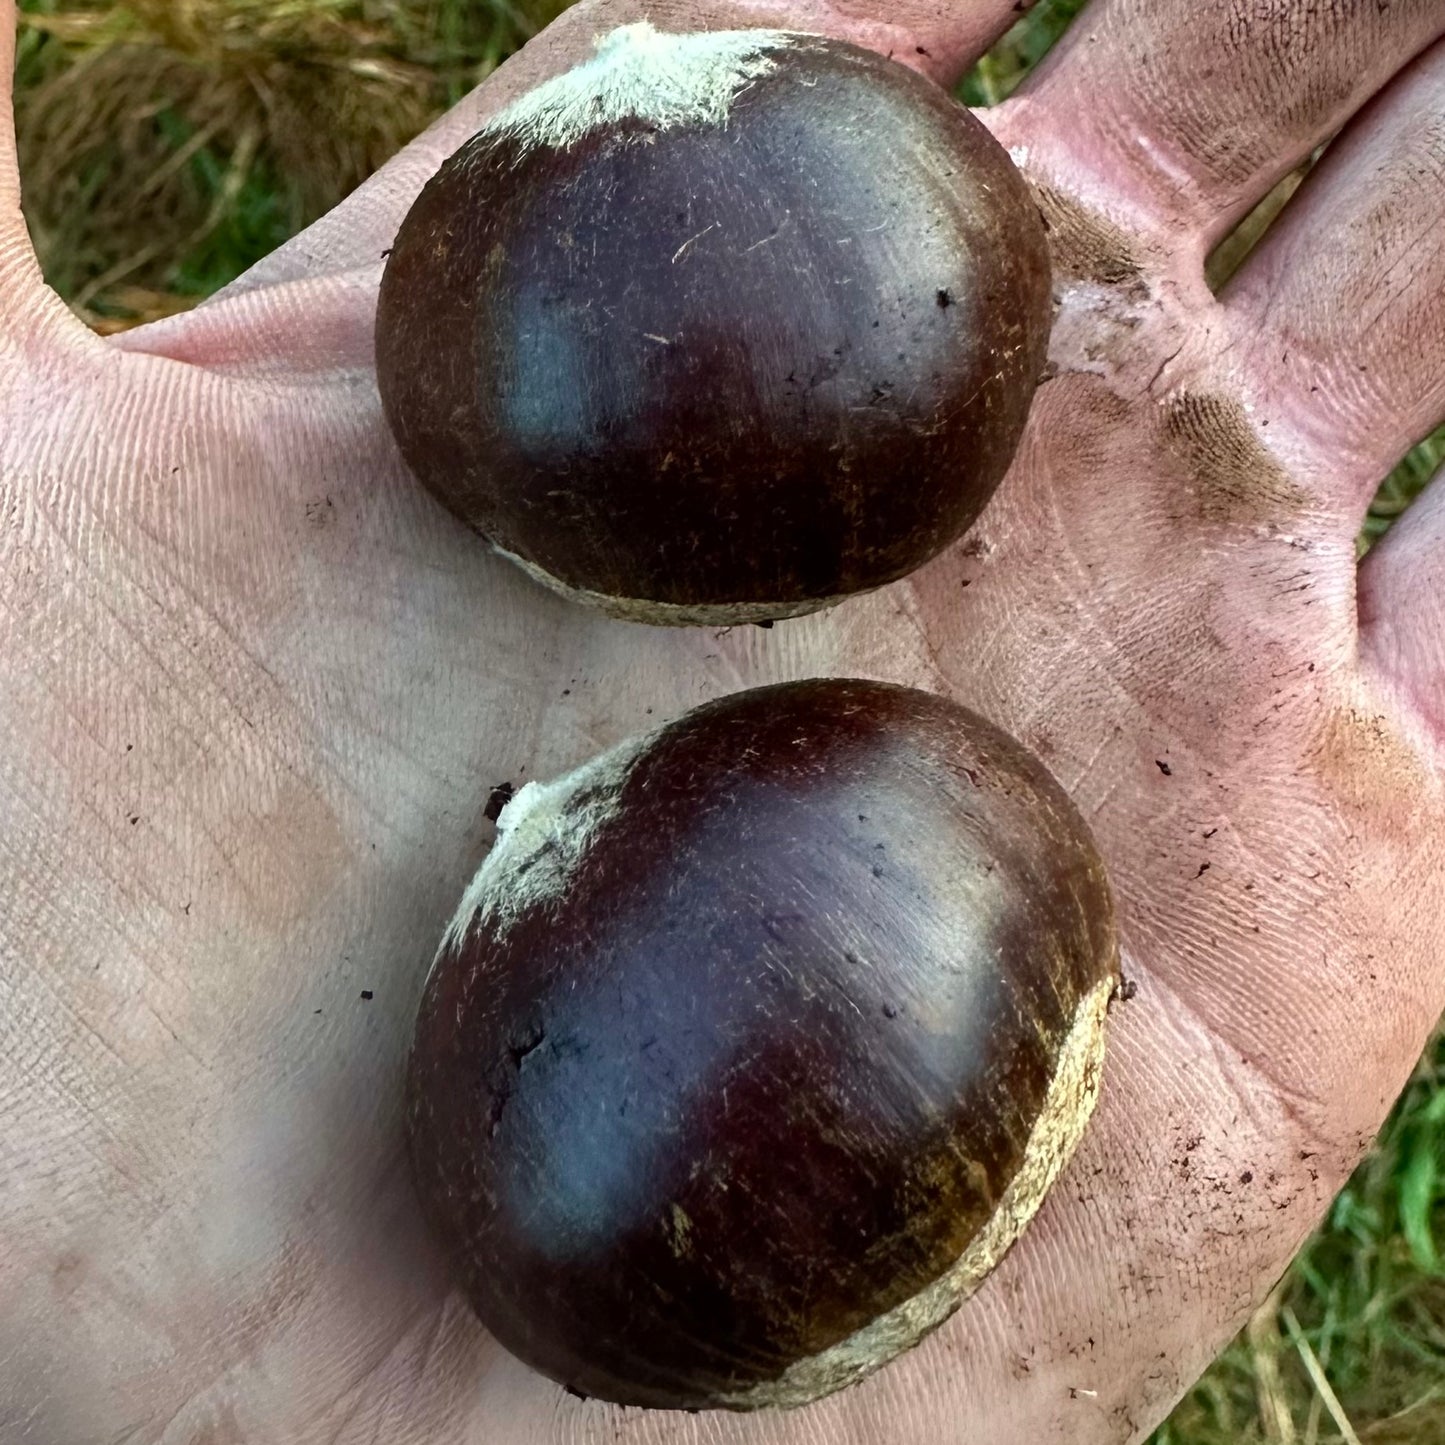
(730, 371)
(757, 1041)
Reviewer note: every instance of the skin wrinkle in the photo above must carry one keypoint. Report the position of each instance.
(149, 976)
(1147, 1243)
(259, 721)
(1402, 610)
(121, 838)
(135, 636)
(1348, 336)
(1199, 155)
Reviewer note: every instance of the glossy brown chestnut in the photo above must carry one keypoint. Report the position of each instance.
(718, 327)
(757, 1041)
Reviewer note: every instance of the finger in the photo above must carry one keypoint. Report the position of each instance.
(1340, 313)
(1181, 114)
(938, 37)
(17, 259)
(19, 271)
(1402, 607)
(29, 310)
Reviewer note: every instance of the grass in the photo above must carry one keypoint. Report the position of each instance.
(166, 145)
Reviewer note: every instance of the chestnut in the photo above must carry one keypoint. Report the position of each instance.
(717, 327)
(757, 1041)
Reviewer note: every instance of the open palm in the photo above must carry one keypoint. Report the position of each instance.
(256, 687)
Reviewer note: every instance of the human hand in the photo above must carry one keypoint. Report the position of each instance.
(255, 688)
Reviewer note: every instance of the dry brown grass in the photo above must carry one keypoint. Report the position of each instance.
(147, 129)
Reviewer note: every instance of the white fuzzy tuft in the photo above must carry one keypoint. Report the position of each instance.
(1067, 1108)
(641, 73)
(542, 836)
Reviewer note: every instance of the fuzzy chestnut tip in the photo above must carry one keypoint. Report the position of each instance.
(757, 1041)
(717, 327)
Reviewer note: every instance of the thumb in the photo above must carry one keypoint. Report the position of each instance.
(30, 312)
(18, 267)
